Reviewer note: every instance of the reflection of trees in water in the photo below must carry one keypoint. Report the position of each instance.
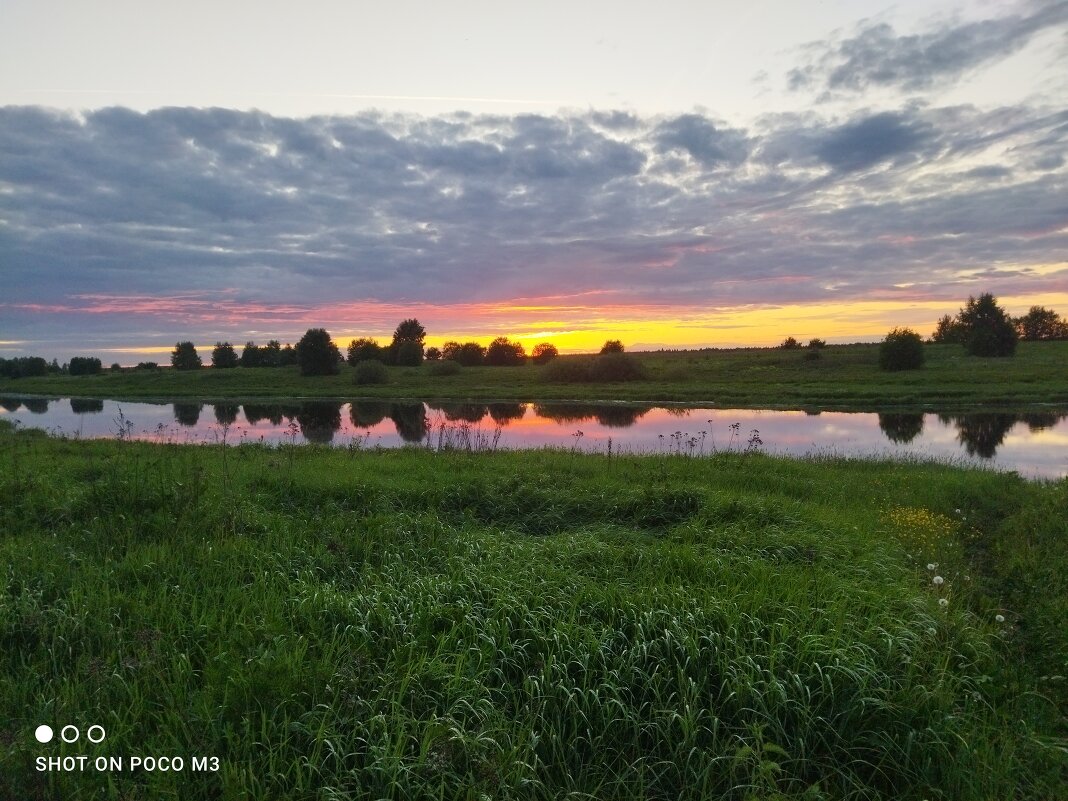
(368, 414)
(254, 412)
(187, 414)
(86, 405)
(901, 427)
(981, 433)
(35, 405)
(226, 413)
(463, 412)
(620, 416)
(410, 420)
(319, 420)
(610, 416)
(10, 404)
(1040, 421)
(504, 413)
(565, 412)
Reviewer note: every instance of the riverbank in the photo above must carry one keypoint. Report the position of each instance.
(844, 378)
(410, 623)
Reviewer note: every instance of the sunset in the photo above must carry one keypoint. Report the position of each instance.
(536, 402)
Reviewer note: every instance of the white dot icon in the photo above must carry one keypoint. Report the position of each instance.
(43, 734)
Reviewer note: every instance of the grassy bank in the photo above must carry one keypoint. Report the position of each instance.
(843, 377)
(337, 624)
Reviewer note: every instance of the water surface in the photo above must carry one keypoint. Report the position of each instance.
(1033, 443)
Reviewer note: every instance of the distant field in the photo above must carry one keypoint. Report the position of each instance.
(539, 625)
(843, 377)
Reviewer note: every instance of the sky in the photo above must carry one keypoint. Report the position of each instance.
(678, 174)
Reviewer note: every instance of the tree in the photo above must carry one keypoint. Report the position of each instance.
(988, 331)
(948, 331)
(223, 356)
(432, 354)
(469, 354)
(271, 354)
(544, 352)
(287, 356)
(407, 354)
(184, 357)
(502, 352)
(364, 350)
(409, 331)
(317, 354)
(901, 350)
(251, 356)
(1041, 323)
(612, 346)
(407, 339)
(116, 367)
(790, 344)
(816, 344)
(84, 365)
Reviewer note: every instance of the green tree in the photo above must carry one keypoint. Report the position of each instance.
(223, 356)
(544, 352)
(364, 350)
(1041, 323)
(317, 354)
(948, 331)
(502, 352)
(251, 356)
(271, 354)
(432, 354)
(184, 357)
(84, 365)
(469, 354)
(406, 349)
(901, 350)
(988, 331)
(612, 346)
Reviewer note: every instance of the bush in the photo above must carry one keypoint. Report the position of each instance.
(432, 354)
(116, 367)
(812, 355)
(609, 368)
(317, 354)
(147, 366)
(407, 353)
(790, 344)
(901, 350)
(502, 352)
(446, 367)
(544, 352)
(988, 330)
(370, 372)
(612, 346)
(816, 344)
(469, 354)
(615, 367)
(364, 350)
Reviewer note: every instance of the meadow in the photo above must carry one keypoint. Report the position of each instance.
(845, 377)
(466, 624)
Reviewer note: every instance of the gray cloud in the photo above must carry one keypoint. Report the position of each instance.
(878, 56)
(257, 213)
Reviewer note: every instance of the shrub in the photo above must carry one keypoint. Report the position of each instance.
(469, 354)
(812, 355)
(370, 372)
(544, 352)
(445, 367)
(147, 366)
(116, 367)
(364, 350)
(566, 371)
(407, 353)
(790, 344)
(816, 344)
(432, 354)
(612, 346)
(901, 350)
(616, 366)
(502, 352)
(317, 354)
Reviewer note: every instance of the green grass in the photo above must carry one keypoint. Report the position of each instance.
(349, 624)
(844, 377)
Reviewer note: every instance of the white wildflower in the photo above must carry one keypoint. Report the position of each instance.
(931, 566)
(999, 618)
(943, 602)
(938, 580)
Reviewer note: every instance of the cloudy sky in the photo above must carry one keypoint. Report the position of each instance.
(673, 174)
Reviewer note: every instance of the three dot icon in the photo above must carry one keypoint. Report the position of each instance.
(69, 734)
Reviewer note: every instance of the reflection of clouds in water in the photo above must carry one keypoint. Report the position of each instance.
(1035, 443)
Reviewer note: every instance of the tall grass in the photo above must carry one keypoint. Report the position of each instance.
(467, 623)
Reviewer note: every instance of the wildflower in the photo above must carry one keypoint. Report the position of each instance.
(999, 618)
(932, 566)
(938, 580)
(943, 602)
(931, 631)
(957, 511)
